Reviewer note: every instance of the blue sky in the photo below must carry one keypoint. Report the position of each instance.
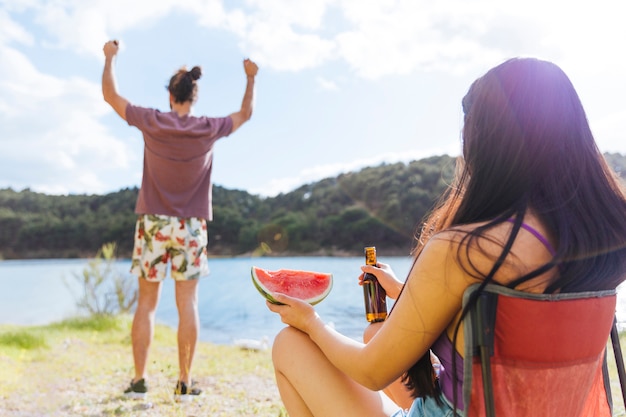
(342, 84)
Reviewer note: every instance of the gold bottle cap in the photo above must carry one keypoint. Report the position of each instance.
(370, 255)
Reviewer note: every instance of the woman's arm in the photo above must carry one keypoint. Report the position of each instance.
(431, 300)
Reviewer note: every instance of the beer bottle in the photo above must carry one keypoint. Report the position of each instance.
(374, 294)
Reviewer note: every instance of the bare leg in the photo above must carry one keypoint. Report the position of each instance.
(310, 385)
(188, 325)
(143, 324)
(396, 391)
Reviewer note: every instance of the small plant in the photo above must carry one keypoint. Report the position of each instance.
(104, 290)
(22, 340)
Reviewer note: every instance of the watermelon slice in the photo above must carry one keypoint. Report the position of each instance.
(308, 286)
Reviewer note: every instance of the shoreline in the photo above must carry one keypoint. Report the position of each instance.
(330, 253)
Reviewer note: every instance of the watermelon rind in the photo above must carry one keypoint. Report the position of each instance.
(267, 294)
(264, 292)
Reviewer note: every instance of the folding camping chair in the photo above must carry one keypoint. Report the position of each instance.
(538, 354)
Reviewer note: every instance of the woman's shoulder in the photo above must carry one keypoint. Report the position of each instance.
(477, 248)
(476, 235)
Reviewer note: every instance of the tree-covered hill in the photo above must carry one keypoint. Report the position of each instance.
(379, 206)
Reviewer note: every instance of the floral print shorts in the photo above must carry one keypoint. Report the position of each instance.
(160, 240)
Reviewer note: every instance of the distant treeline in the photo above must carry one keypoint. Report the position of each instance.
(380, 206)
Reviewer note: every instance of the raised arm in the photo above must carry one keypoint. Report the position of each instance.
(244, 114)
(109, 87)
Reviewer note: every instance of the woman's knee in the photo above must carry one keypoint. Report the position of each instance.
(370, 331)
(286, 343)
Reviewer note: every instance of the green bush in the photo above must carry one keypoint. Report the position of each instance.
(104, 290)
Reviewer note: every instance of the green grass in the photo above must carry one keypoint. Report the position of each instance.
(80, 367)
(99, 323)
(22, 339)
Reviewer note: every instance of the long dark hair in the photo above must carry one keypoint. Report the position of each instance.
(183, 86)
(527, 145)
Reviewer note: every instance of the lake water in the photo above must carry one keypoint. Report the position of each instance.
(34, 292)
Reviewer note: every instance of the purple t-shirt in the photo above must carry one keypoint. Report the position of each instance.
(177, 161)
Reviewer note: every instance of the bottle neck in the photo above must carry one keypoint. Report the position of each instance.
(370, 256)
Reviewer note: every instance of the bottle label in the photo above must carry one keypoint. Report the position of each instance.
(375, 299)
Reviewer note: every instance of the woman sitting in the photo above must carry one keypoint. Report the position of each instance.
(533, 207)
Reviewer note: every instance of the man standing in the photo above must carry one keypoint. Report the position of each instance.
(173, 206)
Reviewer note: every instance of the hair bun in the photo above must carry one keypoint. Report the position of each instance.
(196, 73)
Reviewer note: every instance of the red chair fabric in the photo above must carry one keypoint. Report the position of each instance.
(546, 353)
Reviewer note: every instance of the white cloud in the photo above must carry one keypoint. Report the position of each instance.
(404, 36)
(21, 84)
(610, 132)
(84, 26)
(52, 132)
(327, 84)
(11, 31)
(375, 39)
(588, 35)
(212, 14)
(279, 47)
(304, 14)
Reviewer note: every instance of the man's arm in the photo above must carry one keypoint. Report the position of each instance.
(244, 114)
(109, 87)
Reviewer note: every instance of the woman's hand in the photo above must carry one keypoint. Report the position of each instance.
(294, 312)
(385, 276)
